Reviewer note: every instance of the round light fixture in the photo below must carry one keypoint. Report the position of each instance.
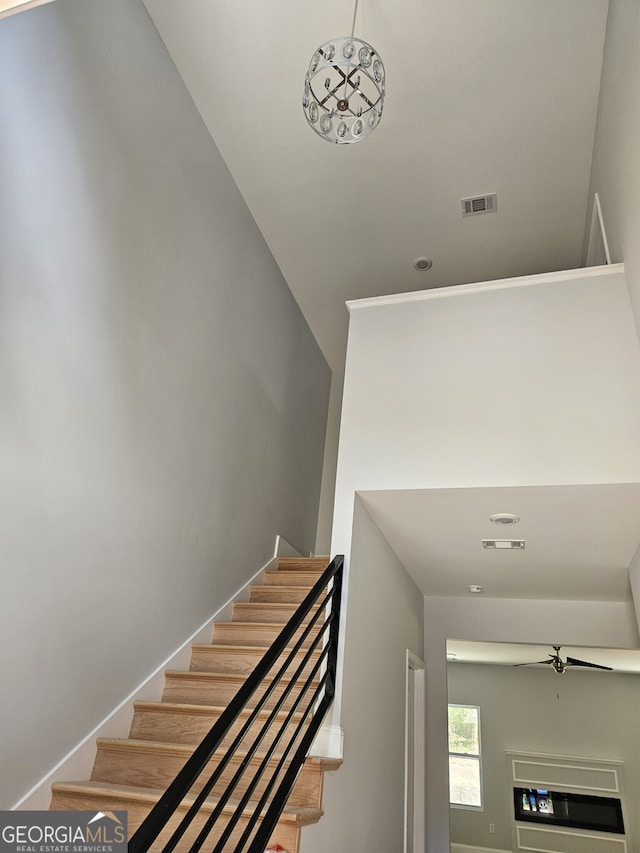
(422, 264)
(475, 588)
(344, 90)
(504, 518)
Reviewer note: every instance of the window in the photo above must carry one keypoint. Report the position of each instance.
(465, 767)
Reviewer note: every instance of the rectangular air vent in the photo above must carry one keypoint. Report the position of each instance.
(479, 204)
(516, 544)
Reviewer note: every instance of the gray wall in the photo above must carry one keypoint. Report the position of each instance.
(595, 716)
(163, 403)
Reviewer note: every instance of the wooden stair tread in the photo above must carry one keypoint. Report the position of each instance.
(238, 623)
(237, 626)
(284, 606)
(158, 746)
(271, 612)
(189, 722)
(182, 749)
(278, 594)
(243, 659)
(305, 564)
(208, 675)
(254, 633)
(305, 579)
(300, 815)
(205, 710)
(248, 649)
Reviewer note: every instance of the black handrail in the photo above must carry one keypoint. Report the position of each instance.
(309, 701)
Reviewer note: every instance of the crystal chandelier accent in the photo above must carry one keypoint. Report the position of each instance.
(344, 89)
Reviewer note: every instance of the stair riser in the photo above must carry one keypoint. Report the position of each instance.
(302, 564)
(157, 769)
(209, 691)
(240, 662)
(190, 729)
(285, 833)
(247, 611)
(307, 579)
(246, 634)
(278, 594)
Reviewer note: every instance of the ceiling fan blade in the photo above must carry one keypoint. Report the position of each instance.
(534, 662)
(576, 662)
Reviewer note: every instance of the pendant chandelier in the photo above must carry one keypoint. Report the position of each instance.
(344, 89)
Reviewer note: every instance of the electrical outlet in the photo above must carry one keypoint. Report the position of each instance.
(492, 828)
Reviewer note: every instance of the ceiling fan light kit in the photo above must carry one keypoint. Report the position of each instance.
(344, 89)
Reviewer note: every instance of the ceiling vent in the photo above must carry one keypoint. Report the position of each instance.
(498, 544)
(479, 204)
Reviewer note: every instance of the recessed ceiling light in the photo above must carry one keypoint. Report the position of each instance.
(475, 588)
(504, 518)
(422, 264)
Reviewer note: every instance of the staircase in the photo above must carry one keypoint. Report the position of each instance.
(131, 774)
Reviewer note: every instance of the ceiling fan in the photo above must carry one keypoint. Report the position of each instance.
(560, 665)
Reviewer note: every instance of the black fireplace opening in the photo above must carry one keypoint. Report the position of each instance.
(560, 808)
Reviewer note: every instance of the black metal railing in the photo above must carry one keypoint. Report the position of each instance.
(271, 723)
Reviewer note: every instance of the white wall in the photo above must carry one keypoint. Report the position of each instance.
(582, 713)
(530, 382)
(578, 623)
(327, 492)
(163, 401)
(545, 368)
(615, 171)
(364, 800)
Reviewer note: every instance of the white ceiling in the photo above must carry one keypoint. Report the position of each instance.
(509, 654)
(579, 540)
(482, 96)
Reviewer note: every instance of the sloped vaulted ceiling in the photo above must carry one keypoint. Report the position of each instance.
(489, 96)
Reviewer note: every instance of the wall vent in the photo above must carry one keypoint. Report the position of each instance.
(498, 544)
(479, 204)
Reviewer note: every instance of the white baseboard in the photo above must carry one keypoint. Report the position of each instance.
(470, 848)
(78, 763)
